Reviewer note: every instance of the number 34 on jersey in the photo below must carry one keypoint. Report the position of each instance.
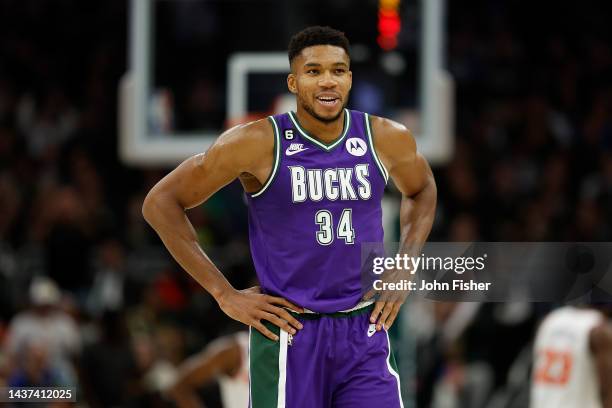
(344, 184)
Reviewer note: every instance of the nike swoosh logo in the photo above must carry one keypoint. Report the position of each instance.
(292, 152)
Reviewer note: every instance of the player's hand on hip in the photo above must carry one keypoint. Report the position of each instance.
(388, 302)
(250, 307)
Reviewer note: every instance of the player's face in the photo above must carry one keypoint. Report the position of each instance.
(321, 79)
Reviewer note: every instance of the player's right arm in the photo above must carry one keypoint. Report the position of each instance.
(222, 357)
(601, 347)
(244, 149)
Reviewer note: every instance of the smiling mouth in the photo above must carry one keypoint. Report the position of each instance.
(328, 100)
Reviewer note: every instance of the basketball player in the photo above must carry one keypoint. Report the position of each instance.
(314, 180)
(225, 360)
(573, 360)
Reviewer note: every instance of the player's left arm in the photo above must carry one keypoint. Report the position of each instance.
(600, 342)
(413, 177)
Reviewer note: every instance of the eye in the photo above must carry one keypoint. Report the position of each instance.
(312, 71)
(340, 71)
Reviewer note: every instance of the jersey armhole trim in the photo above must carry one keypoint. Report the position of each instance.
(276, 159)
(381, 167)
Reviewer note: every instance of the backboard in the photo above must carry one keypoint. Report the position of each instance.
(157, 127)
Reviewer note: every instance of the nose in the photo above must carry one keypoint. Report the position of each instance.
(327, 80)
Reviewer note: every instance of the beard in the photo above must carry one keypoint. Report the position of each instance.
(310, 109)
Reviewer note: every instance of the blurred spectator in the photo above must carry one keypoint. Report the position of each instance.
(34, 368)
(47, 331)
(46, 126)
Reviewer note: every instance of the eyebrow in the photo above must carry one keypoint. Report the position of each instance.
(316, 64)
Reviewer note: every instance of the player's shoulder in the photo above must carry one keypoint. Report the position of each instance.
(389, 135)
(570, 316)
(386, 124)
(250, 134)
(240, 147)
(600, 337)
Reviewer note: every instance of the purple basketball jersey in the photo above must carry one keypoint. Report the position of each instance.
(320, 202)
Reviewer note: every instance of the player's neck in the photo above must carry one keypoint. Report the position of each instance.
(324, 131)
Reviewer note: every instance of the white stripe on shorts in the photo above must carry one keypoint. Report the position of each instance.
(282, 369)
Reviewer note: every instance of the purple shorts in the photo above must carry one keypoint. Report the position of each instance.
(337, 360)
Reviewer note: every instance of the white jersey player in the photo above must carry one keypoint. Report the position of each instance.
(573, 360)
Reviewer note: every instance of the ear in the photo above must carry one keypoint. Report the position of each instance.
(350, 73)
(291, 83)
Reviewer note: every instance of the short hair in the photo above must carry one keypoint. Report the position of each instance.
(317, 35)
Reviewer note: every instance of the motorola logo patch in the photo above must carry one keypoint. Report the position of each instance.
(356, 146)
